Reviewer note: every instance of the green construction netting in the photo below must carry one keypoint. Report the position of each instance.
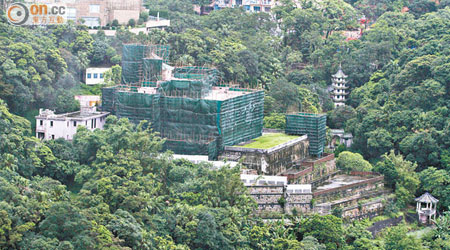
(186, 88)
(192, 125)
(143, 62)
(241, 118)
(152, 69)
(313, 125)
(130, 72)
(192, 148)
(132, 105)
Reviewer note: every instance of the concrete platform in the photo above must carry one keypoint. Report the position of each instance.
(341, 180)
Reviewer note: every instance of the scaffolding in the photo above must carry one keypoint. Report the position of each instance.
(313, 125)
(188, 109)
(142, 64)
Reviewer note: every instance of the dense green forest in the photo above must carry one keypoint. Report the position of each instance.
(116, 189)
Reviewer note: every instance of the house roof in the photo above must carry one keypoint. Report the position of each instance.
(427, 198)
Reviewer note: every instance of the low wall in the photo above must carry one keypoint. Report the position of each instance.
(312, 163)
(367, 210)
(311, 170)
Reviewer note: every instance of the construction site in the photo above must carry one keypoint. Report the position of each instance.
(287, 171)
(186, 104)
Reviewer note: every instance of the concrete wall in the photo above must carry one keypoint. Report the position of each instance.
(267, 198)
(123, 16)
(65, 128)
(271, 161)
(367, 210)
(108, 10)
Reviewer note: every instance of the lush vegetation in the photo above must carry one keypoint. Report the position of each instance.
(115, 189)
(269, 140)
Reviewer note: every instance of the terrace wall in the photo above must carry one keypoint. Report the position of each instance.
(359, 188)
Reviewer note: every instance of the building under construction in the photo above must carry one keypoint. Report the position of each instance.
(313, 125)
(184, 104)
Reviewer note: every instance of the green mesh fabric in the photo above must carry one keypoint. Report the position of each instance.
(143, 63)
(185, 88)
(152, 69)
(191, 125)
(313, 125)
(241, 118)
(178, 110)
(132, 105)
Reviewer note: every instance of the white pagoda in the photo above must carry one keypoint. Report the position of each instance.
(339, 88)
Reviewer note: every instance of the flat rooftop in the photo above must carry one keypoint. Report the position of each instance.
(268, 140)
(341, 180)
(216, 94)
(77, 115)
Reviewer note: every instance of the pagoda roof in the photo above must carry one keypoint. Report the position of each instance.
(427, 198)
(340, 73)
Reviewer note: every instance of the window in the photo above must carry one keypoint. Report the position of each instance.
(94, 8)
(91, 21)
(95, 75)
(257, 8)
(53, 137)
(71, 14)
(101, 76)
(41, 135)
(51, 123)
(41, 122)
(74, 123)
(89, 75)
(68, 123)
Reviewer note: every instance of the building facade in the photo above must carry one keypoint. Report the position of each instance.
(247, 5)
(50, 126)
(184, 104)
(94, 76)
(95, 13)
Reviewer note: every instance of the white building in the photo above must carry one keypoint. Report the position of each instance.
(95, 76)
(339, 88)
(247, 5)
(51, 126)
(253, 179)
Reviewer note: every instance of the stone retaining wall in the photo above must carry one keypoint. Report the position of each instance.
(358, 188)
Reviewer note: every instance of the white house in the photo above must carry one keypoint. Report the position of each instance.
(95, 75)
(51, 126)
